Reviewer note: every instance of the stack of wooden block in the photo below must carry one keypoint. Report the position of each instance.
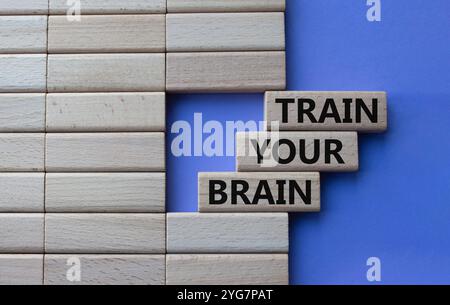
(278, 172)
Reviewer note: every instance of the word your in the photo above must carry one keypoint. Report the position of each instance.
(374, 12)
(210, 139)
(240, 192)
(329, 111)
(374, 272)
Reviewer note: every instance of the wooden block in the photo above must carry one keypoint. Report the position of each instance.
(106, 269)
(321, 110)
(23, 34)
(23, 73)
(231, 269)
(225, 32)
(21, 269)
(297, 151)
(97, 152)
(22, 112)
(103, 7)
(197, 6)
(225, 72)
(106, 72)
(227, 233)
(84, 112)
(105, 233)
(107, 34)
(23, 7)
(22, 193)
(22, 233)
(105, 193)
(259, 192)
(22, 152)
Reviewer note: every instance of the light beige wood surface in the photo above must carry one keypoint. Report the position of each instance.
(22, 192)
(23, 34)
(23, 112)
(105, 192)
(107, 34)
(103, 7)
(234, 269)
(197, 6)
(105, 269)
(297, 151)
(89, 112)
(22, 233)
(105, 233)
(23, 7)
(106, 72)
(23, 73)
(225, 32)
(326, 110)
(227, 233)
(21, 269)
(259, 192)
(226, 71)
(109, 152)
(22, 152)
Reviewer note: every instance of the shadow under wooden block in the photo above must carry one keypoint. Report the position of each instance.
(22, 233)
(105, 233)
(97, 112)
(107, 34)
(22, 112)
(197, 6)
(225, 32)
(130, 72)
(227, 233)
(297, 151)
(23, 34)
(258, 192)
(226, 72)
(105, 269)
(22, 152)
(103, 7)
(23, 73)
(105, 152)
(105, 192)
(22, 192)
(326, 110)
(234, 269)
(21, 269)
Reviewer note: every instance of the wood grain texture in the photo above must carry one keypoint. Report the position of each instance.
(226, 71)
(197, 6)
(105, 193)
(23, 7)
(105, 233)
(107, 34)
(24, 112)
(261, 192)
(334, 110)
(107, 269)
(23, 34)
(308, 153)
(22, 192)
(84, 112)
(23, 73)
(21, 269)
(231, 269)
(106, 72)
(227, 233)
(97, 152)
(225, 32)
(22, 152)
(103, 7)
(22, 233)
